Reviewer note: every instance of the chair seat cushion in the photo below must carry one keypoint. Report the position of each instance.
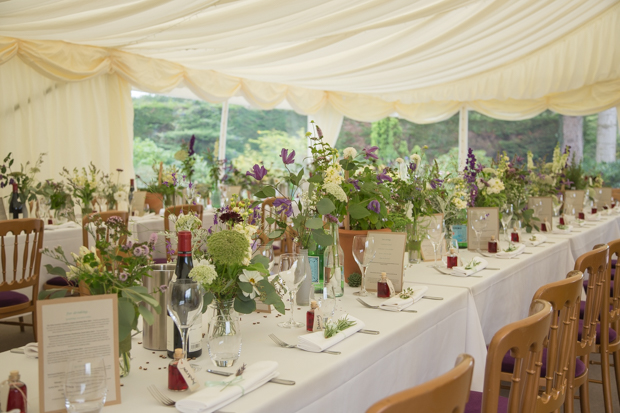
(508, 365)
(8, 298)
(474, 405)
(611, 287)
(160, 261)
(61, 282)
(612, 333)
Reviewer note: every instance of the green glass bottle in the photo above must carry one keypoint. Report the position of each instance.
(315, 259)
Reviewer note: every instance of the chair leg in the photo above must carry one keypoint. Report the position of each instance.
(584, 390)
(606, 377)
(617, 370)
(569, 402)
(21, 324)
(34, 325)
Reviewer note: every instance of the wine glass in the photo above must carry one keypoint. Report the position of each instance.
(184, 302)
(569, 212)
(506, 214)
(147, 209)
(364, 252)
(44, 207)
(479, 224)
(292, 274)
(558, 200)
(265, 250)
(85, 385)
(435, 234)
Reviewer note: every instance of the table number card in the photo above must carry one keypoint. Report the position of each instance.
(543, 210)
(491, 216)
(574, 198)
(390, 248)
(605, 198)
(72, 329)
(427, 245)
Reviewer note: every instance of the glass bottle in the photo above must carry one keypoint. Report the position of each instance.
(383, 289)
(176, 381)
(514, 235)
(544, 227)
(310, 316)
(333, 266)
(582, 215)
(562, 220)
(492, 245)
(453, 259)
(18, 393)
(15, 205)
(315, 260)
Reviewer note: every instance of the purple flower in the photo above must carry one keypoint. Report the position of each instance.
(286, 158)
(123, 276)
(319, 132)
(283, 205)
(119, 170)
(169, 249)
(369, 152)
(355, 183)
(190, 149)
(138, 251)
(383, 177)
(163, 288)
(128, 246)
(153, 238)
(174, 178)
(258, 173)
(331, 218)
(114, 220)
(374, 206)
(215, 221)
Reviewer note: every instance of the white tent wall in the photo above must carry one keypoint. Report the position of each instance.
(74, 123)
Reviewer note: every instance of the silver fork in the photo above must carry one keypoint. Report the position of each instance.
(286, 345)
(365, 304)
(165, 400)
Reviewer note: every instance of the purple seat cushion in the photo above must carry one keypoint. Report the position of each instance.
(582, 309)
(611, 287)
(8, 298)
(160, 261)
(61, 282)
(474, 405)
(508, 365)
(612, 333)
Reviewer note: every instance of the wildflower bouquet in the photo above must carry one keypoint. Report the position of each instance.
(56, 193)
(24, 178)
(113, 266)
(84, 184)
(167, 183)
(113, 191)
(187, 156)
(486, 189)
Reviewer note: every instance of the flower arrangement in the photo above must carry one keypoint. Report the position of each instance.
(112, 191)
(56, 193)
(113, 266)
(84, 184)
(167, 183)
(187, 156)
(486, 188)
(24, 178)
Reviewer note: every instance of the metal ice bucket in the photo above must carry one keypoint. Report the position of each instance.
(154, 336)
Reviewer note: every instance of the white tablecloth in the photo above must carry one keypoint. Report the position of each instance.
(412, 348)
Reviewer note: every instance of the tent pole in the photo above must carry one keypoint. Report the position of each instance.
(223, 127)
(463, 137)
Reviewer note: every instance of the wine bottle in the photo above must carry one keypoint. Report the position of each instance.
(183, 267)
(15, 205)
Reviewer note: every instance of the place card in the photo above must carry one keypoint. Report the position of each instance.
(543, 210)
(491, 217)
(72, 329)
(390, 247)
(574, 198)
(426, 248)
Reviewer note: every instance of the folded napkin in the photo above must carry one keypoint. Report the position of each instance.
(532, 243)
(567, 230)
(398, 304)
(462, 272)
(68, 224)
(144, 217)
(316, 342)
(213, 397)
(504, 254)
(593, 217)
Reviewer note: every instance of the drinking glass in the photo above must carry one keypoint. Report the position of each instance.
(435, 234)
(224, 340)
(506, 216)
(292, 274)
(478, 224)
(558, 200)
(147, 208)
(85, 385)
(364, 252)
(570, 212)
(184, 302)
(44, 208)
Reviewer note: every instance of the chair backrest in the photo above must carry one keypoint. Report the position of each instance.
(269, 211)
(614, 301)
(447, 393)
(27, 259)
(87, 219)
(525, 340)
(565, 299)
(595, 263)
(185, 208)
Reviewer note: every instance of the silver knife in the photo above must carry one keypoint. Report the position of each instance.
(375, 332)
(276, 380)
(430, 297)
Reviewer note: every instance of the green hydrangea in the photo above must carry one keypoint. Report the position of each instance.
(228, 247)
(355, 280)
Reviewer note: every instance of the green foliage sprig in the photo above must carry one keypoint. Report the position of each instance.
(334, 327)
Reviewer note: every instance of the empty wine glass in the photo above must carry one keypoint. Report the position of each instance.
(364, 252)
(569, 212)
(147, 208)
(184, 302)
(558, 201)
(506, 216)
(435, 234)
(292, 274)
(85, 385)
(479, 224)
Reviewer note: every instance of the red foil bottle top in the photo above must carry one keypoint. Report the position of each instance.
(14, 186)
(185, 241)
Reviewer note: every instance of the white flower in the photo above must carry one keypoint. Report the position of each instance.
(336, 191)
(415, 158)
(187, 222)
(119, 196)
(203, 272)
(400, 160)
(350, 152)
(251, 277)
(333, 175)
(489, 171)
(459, 203)
(495, 186)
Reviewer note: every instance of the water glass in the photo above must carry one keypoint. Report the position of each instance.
(364, 252)
(292, 274)
(85, 385)
(224, 340)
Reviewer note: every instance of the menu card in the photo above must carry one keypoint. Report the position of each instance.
(543, 210)
(72, 329)
(427, 246)
(491, 227)
(574, 198)
(605, 198)
(389, 258)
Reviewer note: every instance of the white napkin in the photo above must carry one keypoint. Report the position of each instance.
(144, 217)
(532, 243)
(398, 304)
(462, 272)
(213, 398)
(30, 350)
(316, 342)
(557, 230)
(68, 224)
(593, 217)
(519, 250)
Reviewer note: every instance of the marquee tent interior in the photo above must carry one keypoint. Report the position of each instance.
(67, 67)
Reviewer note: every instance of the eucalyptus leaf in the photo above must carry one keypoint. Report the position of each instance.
(55, 270)
(245, 287)
(322, 238)
(314, 223)
(269, 191)
(126, 317)
(357, 211)
(243, 306)
(275, 234)
(260, 259)
(59, 294)
(325, 206)
(315, 179)
(206, 300)
(148, 317)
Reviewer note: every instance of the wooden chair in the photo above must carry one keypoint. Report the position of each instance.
(176, 210)
(286, 239)
(558, 358)
(13, 303)
(124, 215)
(525, 340)
(447, 393)
(595, 264)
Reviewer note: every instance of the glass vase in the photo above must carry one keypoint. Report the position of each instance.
(124, 359)
(333, 266)
(414, 242)
(224, 337)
